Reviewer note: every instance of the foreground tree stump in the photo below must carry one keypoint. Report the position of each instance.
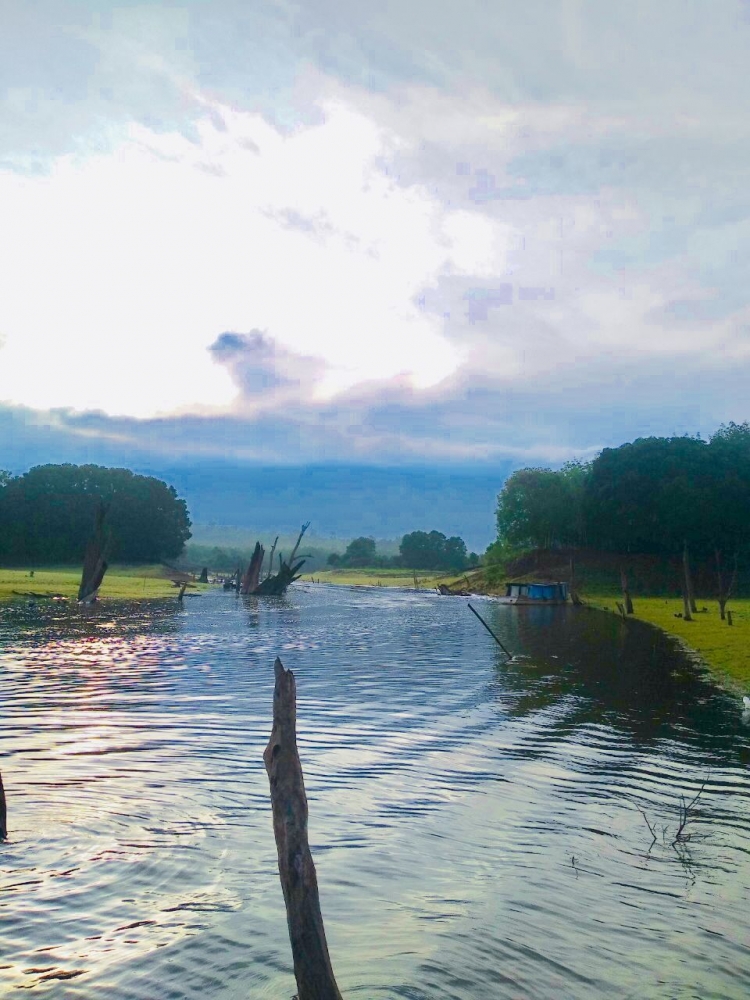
(95, 559)
(3, 815)
(299, 883)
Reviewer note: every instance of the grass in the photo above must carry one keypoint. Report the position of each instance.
(426, 579)
(125, 582)
(724, 649)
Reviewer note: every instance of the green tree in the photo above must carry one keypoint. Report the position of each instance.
(360, 552)
(541, 508)
(432, 550)
(46, 515)
(650, 496)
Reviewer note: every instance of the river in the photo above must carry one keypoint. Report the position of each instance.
(476, 823)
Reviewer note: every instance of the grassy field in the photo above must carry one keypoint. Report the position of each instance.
(426, 579)
(120, 582)
(723, 648)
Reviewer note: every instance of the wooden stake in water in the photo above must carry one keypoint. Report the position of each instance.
(3, 817)
(312, 964)
(509, 655)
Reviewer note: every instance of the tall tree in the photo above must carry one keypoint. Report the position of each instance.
(46, 514)
(432, 550)
(359, 552)
(542, 508)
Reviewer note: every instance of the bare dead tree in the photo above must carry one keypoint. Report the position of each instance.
(725, 587)
(625, 591)
(95, 558)
(686, 586)
(299, 883)
(689, 589)
(252, 575)
(270, 561)
(299, 539)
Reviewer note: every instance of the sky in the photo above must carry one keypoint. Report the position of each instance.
(414, 234)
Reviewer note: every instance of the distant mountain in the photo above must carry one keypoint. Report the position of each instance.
(341, 501)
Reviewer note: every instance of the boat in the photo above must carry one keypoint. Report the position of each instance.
(536, 592)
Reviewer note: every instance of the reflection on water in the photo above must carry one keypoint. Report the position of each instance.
(476, 824)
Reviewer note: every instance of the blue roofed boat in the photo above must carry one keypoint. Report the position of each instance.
(536, 592)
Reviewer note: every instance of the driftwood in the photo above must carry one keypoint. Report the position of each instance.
(445, 591)
(273, 585)
(299, 884)
(3, 813)
(38, 596)
(95, 559)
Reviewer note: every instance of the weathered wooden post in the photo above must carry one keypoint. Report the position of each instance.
(627, 602)
(95, 558)
(3, 814)
(312, 964)
(574, 595)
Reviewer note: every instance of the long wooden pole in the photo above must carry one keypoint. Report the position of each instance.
(299, 883)
(3, 814)
(509, 655)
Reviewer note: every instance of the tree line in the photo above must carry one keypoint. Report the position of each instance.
(418, 550)
(654, 495)
(47, 515)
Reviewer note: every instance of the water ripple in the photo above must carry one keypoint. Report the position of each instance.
(478, 825)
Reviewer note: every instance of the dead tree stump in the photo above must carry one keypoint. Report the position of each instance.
(95, 559)
(312, 964)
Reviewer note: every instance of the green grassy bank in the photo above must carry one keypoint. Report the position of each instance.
(426, 579)
(724, 649)
(129, 582)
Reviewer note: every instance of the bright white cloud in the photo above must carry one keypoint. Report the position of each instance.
(122, 268)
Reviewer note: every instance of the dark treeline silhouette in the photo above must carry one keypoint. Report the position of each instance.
(47, 515)
(655, 495)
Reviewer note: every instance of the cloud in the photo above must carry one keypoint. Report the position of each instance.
(452, 236)
(267, 375)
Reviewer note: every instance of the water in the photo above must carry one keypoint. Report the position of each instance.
(475, 824)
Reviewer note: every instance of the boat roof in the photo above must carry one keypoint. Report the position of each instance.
(534, 583)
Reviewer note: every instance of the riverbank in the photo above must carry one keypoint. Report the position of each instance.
(123, 582)
(724, 649)
(721, 648)
(403, 578)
